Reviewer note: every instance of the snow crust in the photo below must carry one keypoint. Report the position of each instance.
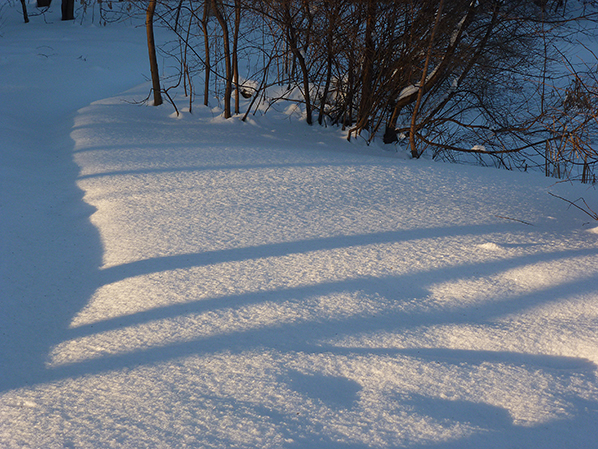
(197, 282)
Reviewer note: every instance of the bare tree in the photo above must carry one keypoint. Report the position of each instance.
(151, 46)
(461, 79)
(235, 54)
(217, 9)
(68, 9)
(25, 15)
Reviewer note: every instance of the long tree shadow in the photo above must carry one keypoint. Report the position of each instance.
(59, 271)
(199, 168)
(47, 294)
(417, 282)
(157, 264)
(284, 337)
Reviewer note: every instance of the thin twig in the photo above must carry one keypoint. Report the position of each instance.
(586, 211)
(514, 219)
(171, 101)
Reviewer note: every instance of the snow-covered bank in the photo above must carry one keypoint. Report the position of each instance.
(194, 282)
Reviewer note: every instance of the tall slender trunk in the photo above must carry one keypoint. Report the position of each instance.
(368, 67)
(306, 94)
(68, 9)
(329, 60)
(25, 15)
(227, 58)
(206, 38)
(326, 88)
(298, 56)
(348, 116)
(151, 47)
(235, 54)
(414, 152)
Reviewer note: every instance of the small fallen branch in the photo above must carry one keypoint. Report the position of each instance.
(514, 219)
(587, 210)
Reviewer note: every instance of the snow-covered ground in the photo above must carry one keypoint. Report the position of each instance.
(195, 282)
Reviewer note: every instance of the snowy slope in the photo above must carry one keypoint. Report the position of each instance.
(194, 282)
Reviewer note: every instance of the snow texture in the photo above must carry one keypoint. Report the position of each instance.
(198, 282)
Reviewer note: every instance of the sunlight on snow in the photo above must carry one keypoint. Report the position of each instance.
(248, 298)
(127, 291)
(265, 284)
(227, 320)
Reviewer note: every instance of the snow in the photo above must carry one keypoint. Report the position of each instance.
(198, 282)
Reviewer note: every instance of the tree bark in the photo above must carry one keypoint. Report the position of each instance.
(298, 56)
(151, 47)
(236, 55)
(227, 58)
(367, 68)
(68, 9)
(208, 67)
(25, 15)
(413, 129)
(329, 57)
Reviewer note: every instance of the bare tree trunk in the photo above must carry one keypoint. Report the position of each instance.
(348, 116)
(185, 65)
(227, 58)
(306, 94)
(68, 9)
(413, 129)
(151, 47)
(298, 55)
(25, 15)
(206, 37)
(329, 58)
(326, 89)
(235, 54)
(368, 68)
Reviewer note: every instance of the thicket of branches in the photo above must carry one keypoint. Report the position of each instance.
(488, 80)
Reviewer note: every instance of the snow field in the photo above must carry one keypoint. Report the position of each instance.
(220, 284)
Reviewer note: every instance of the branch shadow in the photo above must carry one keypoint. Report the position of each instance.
(336, 392)
(503, 434)
(413, 285)
(72, 274)
(284, 337)
(157, 264)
